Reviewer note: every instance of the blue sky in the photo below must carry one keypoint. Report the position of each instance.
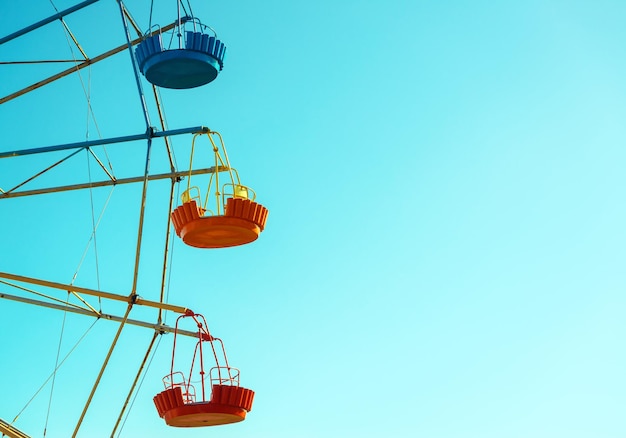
(444, 251)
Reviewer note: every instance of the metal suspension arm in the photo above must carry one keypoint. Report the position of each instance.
(77, 67)
(151, 133)
(173, 175)
(133, 299)
(159, 328)
(46, 21)
(12, 431)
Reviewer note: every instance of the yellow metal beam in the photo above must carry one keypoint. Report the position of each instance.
(11, 431)
(131, 299)
(105, 183)
(157, 327)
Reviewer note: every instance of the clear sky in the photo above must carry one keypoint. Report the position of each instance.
(444, 254)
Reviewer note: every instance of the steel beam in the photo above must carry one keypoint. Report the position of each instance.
(159, 328)
(11, 431)
(105, 183)
(78, 66)
(150, 133)
(45, 21)
(131, 299)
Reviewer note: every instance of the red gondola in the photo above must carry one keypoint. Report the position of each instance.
(179, 404)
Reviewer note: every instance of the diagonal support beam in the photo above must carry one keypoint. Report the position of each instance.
(79, 66)
(132, 299)
(172, 175)
(45, 21)
(159, 328)
(11, 431)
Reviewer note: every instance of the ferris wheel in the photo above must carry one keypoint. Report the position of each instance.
(203, 204)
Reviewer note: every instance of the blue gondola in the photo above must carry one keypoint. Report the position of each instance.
(195, 62)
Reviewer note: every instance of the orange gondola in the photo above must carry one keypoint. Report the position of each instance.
(180, 406)
(237, 218)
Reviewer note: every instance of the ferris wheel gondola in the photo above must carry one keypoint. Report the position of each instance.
(181, 406)
(236, 219)
(193, 56)
(188, 56)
